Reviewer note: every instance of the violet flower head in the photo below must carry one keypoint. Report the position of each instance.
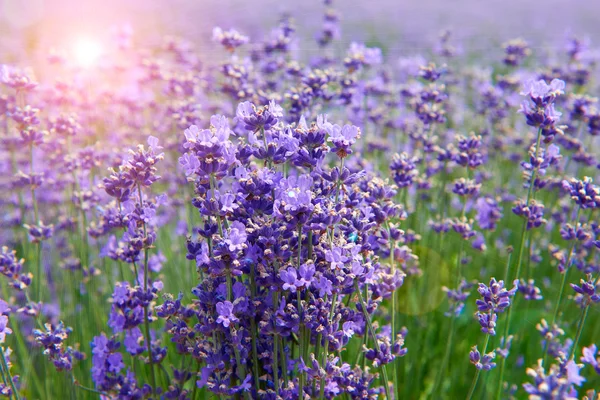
(11, 267)
(293, 199)
(540, 112)
(404, 169)
(584, 193)
(4, 329)
(230, 39)
(588, 291)
(495, 297)
(52, 340)
(256, 118)
(529, 290)
(236, 239)
(225, 311)
(343, 138)
(516, 51)
(361, 56)
(457, 297)
(430, 72)
(541, 93)
(483, 362)
(289, 278)
(488, 211)
(591, 357)
(305, 275)
(336, 258)
(551, 384)
(21, 80)
(140, 168)
(39, 233)
(534, 213)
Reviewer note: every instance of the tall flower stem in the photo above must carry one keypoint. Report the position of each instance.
(326, 347)
(363, 306)
(146, 314)
(9, 377)
(254, 331)
(522, 246)
(529, 196)
(275, 365)
(566, 274)
(449, 342)
(36, 221)
(212, 188)
(476, 377)
(393, 306)
(506, 326)
(579, 330)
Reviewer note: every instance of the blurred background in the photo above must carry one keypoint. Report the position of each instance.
(400, 27)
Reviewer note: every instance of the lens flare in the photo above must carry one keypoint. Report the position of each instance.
(87, 52)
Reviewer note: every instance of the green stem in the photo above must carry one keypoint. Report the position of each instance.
(275, 365)
(567, 270)
(449, 343)
(579, 330)
(284, 360)
(8, 374)
(195, 390)
(506, 328)
(255, 365)
(442, 370)
(326, 347)
(300, 344)
(146, 313)
(476, 378)
(363, 305)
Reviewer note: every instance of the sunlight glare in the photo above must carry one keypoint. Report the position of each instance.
(87, 52)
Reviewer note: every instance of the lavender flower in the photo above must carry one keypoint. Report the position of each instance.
(485, 362)
(230, 39)
(225, 311)
(589, 357)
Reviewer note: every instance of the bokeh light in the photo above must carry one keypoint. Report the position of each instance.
(86, 52)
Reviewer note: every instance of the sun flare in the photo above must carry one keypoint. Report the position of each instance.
(87, 52)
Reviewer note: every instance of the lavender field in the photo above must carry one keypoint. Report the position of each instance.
(328, 200)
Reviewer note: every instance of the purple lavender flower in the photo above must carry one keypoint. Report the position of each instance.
(589, 357)
(541, 113)
(359, 55)
(534, 213)
(305, 275)
(289, 278)
(516, 51)
(230, 39)
(488, 212)
(11, 267)
(343, 138)
(4, 329)
(495, 297)
(588, 290)
(236, 239)
(225, 311)
(584, 193)
(336, 258)
(457, 297)
(485, 362)
(529, 290)
(404, 169)
(557, 382)
(541, 93)
(52, 340)
(256, 118)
